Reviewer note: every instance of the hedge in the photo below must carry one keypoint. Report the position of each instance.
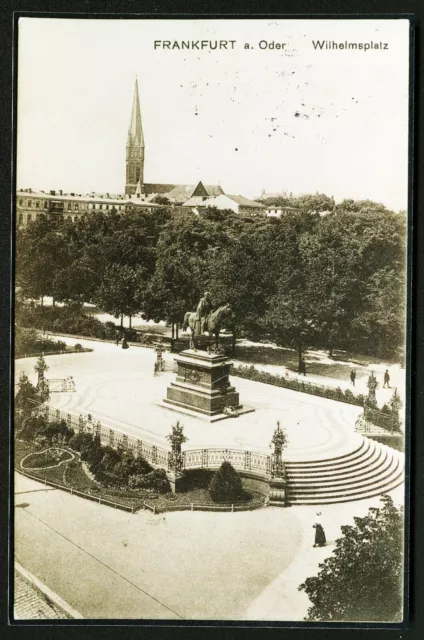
(251, 373)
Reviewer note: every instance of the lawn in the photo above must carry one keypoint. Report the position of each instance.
(317, 362)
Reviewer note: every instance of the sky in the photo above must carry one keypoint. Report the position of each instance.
(299, 118)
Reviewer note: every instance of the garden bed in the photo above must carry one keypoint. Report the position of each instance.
(49, 458)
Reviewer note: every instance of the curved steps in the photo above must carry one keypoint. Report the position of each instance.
(368, 471)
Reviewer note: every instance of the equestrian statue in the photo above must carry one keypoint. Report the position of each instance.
(205, 318)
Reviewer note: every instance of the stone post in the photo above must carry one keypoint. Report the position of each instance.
(372, 385)
(395, 404)
(175, 472)
(277, 481)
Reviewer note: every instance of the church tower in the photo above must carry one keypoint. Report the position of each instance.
(135, 148)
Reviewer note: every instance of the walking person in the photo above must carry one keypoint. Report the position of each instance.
(302, 367)
(124, 343)
(353, 377)
(386, 380)
(320, 539)
(117, 338)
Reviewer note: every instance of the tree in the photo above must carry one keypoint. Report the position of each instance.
(226, 484)
(28, 396)
(362, 580)
(121, 290)
(41, 250)
(161, 200)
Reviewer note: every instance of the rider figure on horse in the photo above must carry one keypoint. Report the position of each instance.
(203, 310)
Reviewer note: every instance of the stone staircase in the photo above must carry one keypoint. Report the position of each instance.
(369, 470)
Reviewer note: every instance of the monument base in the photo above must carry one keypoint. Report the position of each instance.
(202, 387)
(277, 492)
(178, 408)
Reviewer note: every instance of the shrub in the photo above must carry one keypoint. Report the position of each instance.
(156, 480)
(78, 347)
(226, 484)
(56, 433)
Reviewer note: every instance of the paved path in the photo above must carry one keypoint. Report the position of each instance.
(231, 566)
(32, 604)
(118, 388)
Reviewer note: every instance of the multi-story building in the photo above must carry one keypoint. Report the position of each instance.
(30, 204)
(137, 193)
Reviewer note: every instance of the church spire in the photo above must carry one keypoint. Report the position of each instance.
(135, 130)
(135, 147)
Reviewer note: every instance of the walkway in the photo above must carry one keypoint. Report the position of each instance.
(32, 602)
(229, 566)
(118, 388)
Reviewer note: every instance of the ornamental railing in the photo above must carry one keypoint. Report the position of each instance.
(388, 421)
(157, 456)
(240, 459)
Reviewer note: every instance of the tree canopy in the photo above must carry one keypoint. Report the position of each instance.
(362, 580)
(327, 275)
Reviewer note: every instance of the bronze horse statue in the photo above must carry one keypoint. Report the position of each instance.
(214, 322)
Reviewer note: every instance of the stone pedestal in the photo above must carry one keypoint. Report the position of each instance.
(277, 492)
(176, 481)
(202, 386)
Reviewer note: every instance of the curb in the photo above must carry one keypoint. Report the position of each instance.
(57, 600)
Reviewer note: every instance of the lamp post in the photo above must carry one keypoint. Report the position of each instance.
(175, 457)
(277, 482)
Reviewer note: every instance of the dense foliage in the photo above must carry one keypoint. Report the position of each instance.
(327, 275)
(30, 341)
(111, 467)
(226, 484)
(362, 580)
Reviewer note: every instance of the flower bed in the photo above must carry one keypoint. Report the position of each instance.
(49, 458)
(251, 373)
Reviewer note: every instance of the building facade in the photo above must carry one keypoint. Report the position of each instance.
(71, 206)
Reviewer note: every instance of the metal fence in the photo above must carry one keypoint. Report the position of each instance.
(388, 421)
(157, 456)
(239, 458)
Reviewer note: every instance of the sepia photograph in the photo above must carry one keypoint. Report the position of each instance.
(211, 406)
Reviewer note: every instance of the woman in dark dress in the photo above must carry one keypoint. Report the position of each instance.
(320, 540)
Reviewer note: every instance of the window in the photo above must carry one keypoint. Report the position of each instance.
(46, 205)
(21, 218)
(76, 206)
(69, 206)
(37, 204)
(30, 203)
(21, 202)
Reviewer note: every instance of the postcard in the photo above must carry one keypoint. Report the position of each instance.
(211, 299)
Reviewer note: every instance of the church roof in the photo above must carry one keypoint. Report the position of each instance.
(245, 202)
(150, 187)
(179, 193)
(135, 130)
(198, 201)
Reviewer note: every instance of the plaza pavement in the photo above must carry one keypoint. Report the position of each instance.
(183, 565)
(189, 565)
(118, 388)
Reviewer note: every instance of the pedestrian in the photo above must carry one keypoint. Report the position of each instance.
(302, 367)
(386, 379)
(124, 343)
(117, 338)
(320, 539)
(353, 377)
